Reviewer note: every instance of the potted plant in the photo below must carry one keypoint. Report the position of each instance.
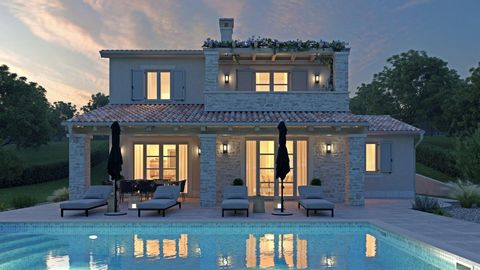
(238, 182)
(316, 182)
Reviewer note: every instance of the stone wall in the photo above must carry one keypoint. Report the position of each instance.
(355, 171)
(211, 71)
(330, 168)
(78, 165)
(229, 165)
(288, 101)
(340, 71)
(208, 171)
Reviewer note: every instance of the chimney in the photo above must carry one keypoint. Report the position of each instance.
(226, 28)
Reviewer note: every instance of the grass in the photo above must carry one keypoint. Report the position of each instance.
(440, 141)
(432, 173)
(50, 153)
(41, 191)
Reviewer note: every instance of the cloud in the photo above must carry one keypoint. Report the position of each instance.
(412, 3)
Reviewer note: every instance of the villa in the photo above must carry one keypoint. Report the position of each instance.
(210, 116)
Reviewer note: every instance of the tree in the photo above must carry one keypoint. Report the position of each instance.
(23, 111)
(60, 111)
(415, 88)
(465, 106)
(96, 101)
(468, 156)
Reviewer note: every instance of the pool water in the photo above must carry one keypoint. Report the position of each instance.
(190, 245)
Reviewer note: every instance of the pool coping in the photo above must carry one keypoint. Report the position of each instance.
(461, 256)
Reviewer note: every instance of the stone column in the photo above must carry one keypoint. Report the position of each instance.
(355, 170)
(211, 70)
(340, 71)
(208, 173)
(78, 164)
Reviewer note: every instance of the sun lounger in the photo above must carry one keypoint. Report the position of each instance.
(96, 196)
(312, 198)
(164, 197)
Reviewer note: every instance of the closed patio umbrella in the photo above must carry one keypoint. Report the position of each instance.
(115, 162)
(282, 163)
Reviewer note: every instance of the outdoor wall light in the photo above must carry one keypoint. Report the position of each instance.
(329, 148)
(317, 78)
(227, 78)
(199, 151)
(225, 148)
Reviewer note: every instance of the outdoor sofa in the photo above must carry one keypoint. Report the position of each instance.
(235, 198)
(313, 198)
(164, 197)
(96, 196)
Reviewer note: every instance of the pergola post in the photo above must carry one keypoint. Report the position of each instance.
(79, 164)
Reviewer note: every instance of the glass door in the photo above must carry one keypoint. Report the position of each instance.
(267, 181)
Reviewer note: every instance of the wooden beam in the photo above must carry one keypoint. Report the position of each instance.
(254, 57)
(274, 56)
(313, 57)
(293, 57)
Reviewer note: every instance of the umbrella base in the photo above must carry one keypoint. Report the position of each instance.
(115, 213)
(280, 213)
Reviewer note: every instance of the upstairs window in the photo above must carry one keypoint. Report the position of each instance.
(271, 81)
(158, 85)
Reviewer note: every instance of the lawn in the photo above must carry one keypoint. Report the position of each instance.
(447, 143)
(432, 173)
(41, 191)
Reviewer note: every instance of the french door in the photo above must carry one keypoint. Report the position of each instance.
(260, 167)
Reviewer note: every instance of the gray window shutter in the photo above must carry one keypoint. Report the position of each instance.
(245, 80)
(178, 85)
(138, 85)
(299, 80)
(386, 157)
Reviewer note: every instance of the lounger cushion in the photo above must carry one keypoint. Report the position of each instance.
(235, 204)
(93, 196)
(317, 204)
(157, 204)
(167, 192)
(104, 191)
(82, 204)
(311, 192)
(235, 192)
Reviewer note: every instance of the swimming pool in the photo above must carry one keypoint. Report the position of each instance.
(213, 245)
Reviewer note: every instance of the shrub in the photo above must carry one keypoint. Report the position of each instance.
(238, 182)
(467, 194)
(59, 195)
(23, 201)
(3, 207)
(468, 156)
(316, 182)
(425, 204)
(437, 158)
(10, 167)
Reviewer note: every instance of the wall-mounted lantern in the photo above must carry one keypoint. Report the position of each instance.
(329, 148)
(317, 78)
(226, 78)
(199, 151)
(225, 148)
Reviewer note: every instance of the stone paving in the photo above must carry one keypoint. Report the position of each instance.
(456, 236)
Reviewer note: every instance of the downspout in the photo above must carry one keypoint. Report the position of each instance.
(420, 140)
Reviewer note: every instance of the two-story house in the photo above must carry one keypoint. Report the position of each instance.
(211, 115)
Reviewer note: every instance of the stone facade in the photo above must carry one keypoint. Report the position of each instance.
(289, 101)
(211, 70)
(229, 165)
(79, 165)
(340, 71)
(208, 170)
(329, 167)
(355, 170)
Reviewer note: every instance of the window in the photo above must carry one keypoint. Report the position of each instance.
(264, 82)
(371, 157)
(161, 161)
(158, 85)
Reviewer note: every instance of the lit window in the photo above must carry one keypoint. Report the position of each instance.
(158, 85)
(262, 81)
(371, 160)
(280, 81)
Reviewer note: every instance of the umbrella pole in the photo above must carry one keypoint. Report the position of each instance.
(281, 196)
(115, 195)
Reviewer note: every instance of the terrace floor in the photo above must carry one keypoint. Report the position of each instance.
(456, 236)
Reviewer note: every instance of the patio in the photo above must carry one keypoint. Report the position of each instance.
(456, 236)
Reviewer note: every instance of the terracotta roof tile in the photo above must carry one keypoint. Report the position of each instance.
(195, 114)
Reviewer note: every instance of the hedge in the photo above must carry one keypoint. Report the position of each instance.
(49, 172)
(437, 158)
